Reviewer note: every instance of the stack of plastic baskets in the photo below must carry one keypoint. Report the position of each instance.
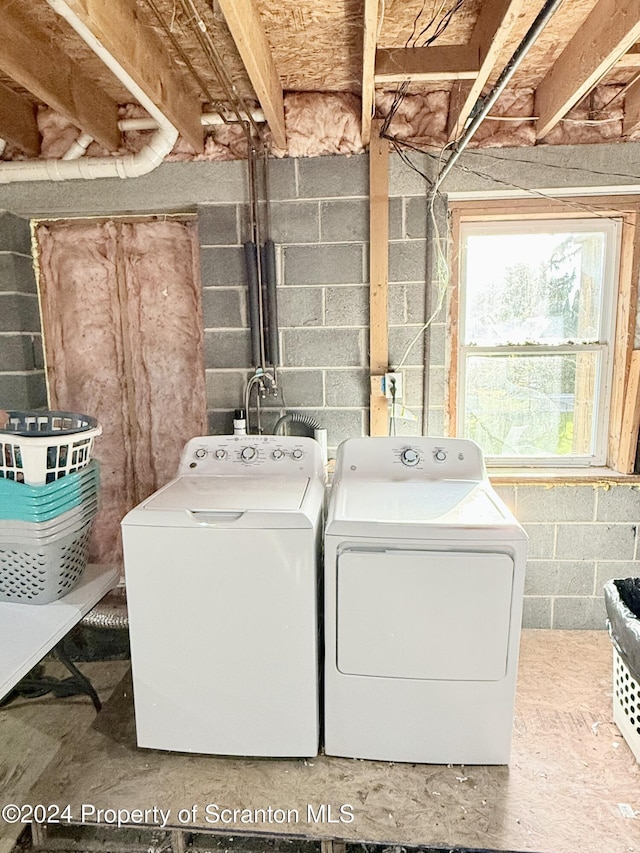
(48, 499)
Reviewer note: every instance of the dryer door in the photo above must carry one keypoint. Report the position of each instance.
(424, 614)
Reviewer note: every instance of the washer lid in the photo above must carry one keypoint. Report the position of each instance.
(241, 494)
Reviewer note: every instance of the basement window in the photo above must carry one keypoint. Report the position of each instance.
(537, 303)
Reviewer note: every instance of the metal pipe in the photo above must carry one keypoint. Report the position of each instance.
(251, 264)
(273, 340)
(549, 8)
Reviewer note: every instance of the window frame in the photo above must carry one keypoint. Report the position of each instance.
(619, 446)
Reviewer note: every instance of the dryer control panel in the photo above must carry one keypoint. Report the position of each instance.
(254, 454)
(399, 458)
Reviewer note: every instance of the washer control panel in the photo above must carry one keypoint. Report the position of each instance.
(250, 454)
(399, 458)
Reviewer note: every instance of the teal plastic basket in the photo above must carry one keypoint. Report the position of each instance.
(21, 502)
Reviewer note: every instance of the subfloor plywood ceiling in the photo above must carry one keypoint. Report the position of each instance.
(93, 63)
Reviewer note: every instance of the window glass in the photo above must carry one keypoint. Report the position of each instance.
(532, 405)
(536, 326)
(533, 288)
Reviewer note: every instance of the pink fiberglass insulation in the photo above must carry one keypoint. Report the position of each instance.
(598, 118)
(319, 123)
(165, 326)
(124, 342)
(86, 360)
(512, 104)
(420, 118)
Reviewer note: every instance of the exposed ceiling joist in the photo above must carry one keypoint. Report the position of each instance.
(631, 59)
(138, 50)
(249, 36)
(25, 53)
(446, 62)
(631, 119)
(495, 20)
(608, 32)
(18, 124)
(368, 67)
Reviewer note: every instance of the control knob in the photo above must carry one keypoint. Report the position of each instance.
(200, 453)
(439, 454)
(221, 453)
(277, 453)
(247, 454)
(409, 457)
(297, 453)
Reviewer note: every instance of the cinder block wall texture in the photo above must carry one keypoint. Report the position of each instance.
(319, 221)
(22, 381)
(580, 535)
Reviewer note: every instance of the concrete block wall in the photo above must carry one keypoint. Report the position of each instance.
(22, 378)
(320, 223)
(580, 536)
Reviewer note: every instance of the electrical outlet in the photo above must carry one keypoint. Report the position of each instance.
(391, 379)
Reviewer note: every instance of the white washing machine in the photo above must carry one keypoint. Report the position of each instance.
(221, 569)
(424, 577)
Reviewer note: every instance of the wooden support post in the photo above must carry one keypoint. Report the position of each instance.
(177, 841)
(631, 418)
(378, 278)
(368, 68)
(625, 331)
(327, 845)
(38, 834)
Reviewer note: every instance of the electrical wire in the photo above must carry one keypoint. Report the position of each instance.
(441, 26)
(442, 279)
(215, 102)
(238, 104)
(581, 206)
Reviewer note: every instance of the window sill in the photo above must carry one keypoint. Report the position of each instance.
(558, 476)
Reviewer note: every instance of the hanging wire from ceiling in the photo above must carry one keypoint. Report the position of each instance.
(184, 56)
(438, 20)
(238, 104)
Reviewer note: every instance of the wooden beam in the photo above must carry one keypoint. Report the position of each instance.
(248, 33)
(631, 418)
(631, 117)
(608, 32)
(18, 124)
(625, 331)
(368, 67)
(139, 51)
(28, 56)
(378, 277)
(631, 59)
(446, 62)
(492, 28)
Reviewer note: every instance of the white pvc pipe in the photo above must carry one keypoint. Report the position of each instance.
(206, 119)
(127, 166)
(78, 148)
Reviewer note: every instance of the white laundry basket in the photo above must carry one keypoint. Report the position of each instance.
(40, 447)
(624, 630)
(626, 704)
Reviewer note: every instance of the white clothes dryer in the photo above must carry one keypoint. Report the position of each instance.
(424, 577)
(221, 569)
